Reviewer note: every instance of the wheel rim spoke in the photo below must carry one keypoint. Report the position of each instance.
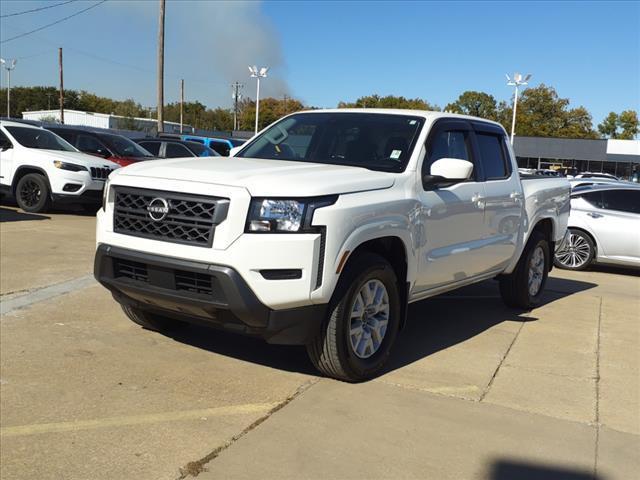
(369, 319)
(576, 253)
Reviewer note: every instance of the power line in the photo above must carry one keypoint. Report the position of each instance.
(36, 9)
(52, 23)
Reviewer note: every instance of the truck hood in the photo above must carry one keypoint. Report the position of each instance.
(72, 157)
(265, 177)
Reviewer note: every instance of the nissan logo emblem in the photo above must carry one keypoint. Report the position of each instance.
(158, 208)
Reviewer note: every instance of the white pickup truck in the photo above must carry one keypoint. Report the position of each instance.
(322, 228)
(39, 169)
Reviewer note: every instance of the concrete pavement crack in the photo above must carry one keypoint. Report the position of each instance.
(597, 406)
(504, 357)
(195, 468)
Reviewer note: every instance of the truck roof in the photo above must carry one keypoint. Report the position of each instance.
(428, 114)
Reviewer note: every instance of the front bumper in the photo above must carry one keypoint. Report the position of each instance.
(203, 293)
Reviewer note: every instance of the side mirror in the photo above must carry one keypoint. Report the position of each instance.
(234, 150)
(447, 171)
(5, 146)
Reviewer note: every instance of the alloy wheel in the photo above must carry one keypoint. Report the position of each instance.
(536, 271)
(576, 253)
(369, 319)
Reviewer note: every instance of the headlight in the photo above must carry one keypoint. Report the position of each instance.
(72, 167)
(105, 195)
(273, 215)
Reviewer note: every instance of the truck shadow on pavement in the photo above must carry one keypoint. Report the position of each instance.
(432, 325)
(8, 215)
(516, 469)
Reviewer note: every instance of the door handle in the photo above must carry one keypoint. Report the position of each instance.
(478, 200)
(595, 215)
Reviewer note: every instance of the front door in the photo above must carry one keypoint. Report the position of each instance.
(6, 159)
(452, 217)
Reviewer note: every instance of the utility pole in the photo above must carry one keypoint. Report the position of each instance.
(61, 86)
(161, 68)
(236, 98)
(8, 66)
(181, 102)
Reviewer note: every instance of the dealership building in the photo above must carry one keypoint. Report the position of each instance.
(618, 157)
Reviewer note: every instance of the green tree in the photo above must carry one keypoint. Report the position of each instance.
(629, 124)
(271, 109)
(542, 113)
(609, 126)
(390, 101)
(478, 104)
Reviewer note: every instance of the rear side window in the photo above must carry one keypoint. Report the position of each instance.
(152, 147)
(175, 150)
(593, 198)
(447, 144)
(621, 200)
(4, 140)
(492, 156)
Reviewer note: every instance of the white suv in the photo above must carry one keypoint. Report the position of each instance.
(39, 168)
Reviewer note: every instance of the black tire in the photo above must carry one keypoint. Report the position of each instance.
(579, 252)
(515, 287)
(152, 321)
(331, 351)
(32, 193)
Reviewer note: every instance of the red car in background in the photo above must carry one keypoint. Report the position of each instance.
(116, 148)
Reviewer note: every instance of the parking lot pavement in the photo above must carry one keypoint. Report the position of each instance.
(474, 390)
(40, 250)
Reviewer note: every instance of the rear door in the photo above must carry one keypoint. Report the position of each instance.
(452, 217)
(616, 223)
(503, 196)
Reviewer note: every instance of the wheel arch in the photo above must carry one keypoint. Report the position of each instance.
(393, 249)
(25, 170)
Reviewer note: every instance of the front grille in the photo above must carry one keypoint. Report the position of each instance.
(190, 219)
(193, 282)
(131, 270)
(98, 173)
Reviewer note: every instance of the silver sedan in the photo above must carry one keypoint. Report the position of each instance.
(604, 227)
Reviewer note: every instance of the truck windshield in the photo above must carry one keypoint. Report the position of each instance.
(376, 141)
(40, 139)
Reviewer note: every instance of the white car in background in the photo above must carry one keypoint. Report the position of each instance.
(604, 227)
(39, 168)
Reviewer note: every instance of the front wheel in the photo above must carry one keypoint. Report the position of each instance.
(363, 321)
(32, 193)
(578, 252)
(524, 287)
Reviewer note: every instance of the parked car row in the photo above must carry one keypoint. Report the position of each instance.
(43, 165)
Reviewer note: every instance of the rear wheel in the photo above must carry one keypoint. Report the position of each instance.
(152, 321)
(364, 316)
(578, 252)
(524, 287)
(32, 193)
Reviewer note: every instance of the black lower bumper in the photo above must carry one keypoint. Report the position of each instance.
(200, 293)
(89, 197)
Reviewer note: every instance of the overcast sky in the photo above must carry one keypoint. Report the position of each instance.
(325, 52)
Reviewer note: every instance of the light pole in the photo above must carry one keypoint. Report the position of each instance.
(516, 82)
(258, 74)
(9, 65)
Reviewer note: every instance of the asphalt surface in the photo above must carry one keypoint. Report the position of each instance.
(474, 390)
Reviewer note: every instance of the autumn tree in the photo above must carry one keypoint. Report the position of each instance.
(542, 113)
